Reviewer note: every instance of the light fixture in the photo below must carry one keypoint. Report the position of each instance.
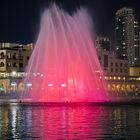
(50, 85)
(13, 84)
(63, 85)
(14, 73)
(29, 84)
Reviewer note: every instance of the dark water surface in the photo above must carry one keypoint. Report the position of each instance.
(28, 122)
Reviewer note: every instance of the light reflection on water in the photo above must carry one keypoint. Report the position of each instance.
(69, 122)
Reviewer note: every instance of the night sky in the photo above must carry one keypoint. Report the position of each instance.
(19, 19)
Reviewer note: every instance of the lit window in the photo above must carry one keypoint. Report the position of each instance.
(135, 58)
(124, 43)
(13, 84)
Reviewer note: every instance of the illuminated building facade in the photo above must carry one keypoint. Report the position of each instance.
(111, 65)
(122, 79)
(127, 36)
(14, 57)
(13, 61)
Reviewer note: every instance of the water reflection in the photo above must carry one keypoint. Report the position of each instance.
(69, 122)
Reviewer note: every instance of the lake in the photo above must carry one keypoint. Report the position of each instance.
(70, 121)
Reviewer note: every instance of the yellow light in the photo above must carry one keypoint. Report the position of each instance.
(106, 77)
(114, 78)
(14, 73)
(123, 78)
(119, 78)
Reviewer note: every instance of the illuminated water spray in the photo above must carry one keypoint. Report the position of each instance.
(64, 65)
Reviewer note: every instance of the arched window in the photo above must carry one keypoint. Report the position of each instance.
(9, 64)
(2, 64)
(14, 56)
(2, 55)
(8, 55)
(15, 65)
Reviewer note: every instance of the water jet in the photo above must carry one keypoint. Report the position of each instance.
(64, 65)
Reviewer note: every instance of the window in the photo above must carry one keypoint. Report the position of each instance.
(8, 55)
(2, 56)
(125, 70)
(116, 64)
(15, 65)
(21, 65)
(121, 64)
(9, 64)
(21, 57)
(14, 56)
(111, 69)
(105, 61)
(111, 64)
(2, 64)
(28, 57)
(125, 65)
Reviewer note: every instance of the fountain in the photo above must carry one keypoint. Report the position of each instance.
(64, 65)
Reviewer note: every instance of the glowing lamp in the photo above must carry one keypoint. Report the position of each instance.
(13, 84)
(50, 85)
(63, 85)
(1, 89)
(14, 73)
(29, 85)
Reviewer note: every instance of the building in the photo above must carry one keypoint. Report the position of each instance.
(103, 49)
(13, 62)
(126, 36)
(14, 57)
(122, 80)
(117, 67)
(111, 65)
(103, 43)
(139, 41)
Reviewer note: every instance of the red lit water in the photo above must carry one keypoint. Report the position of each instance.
(64, 65)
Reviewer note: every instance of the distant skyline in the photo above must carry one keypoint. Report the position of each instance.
(19, 19)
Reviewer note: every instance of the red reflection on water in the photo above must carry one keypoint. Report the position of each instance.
(68, 123)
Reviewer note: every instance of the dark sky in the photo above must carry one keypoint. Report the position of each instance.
(19, 19)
